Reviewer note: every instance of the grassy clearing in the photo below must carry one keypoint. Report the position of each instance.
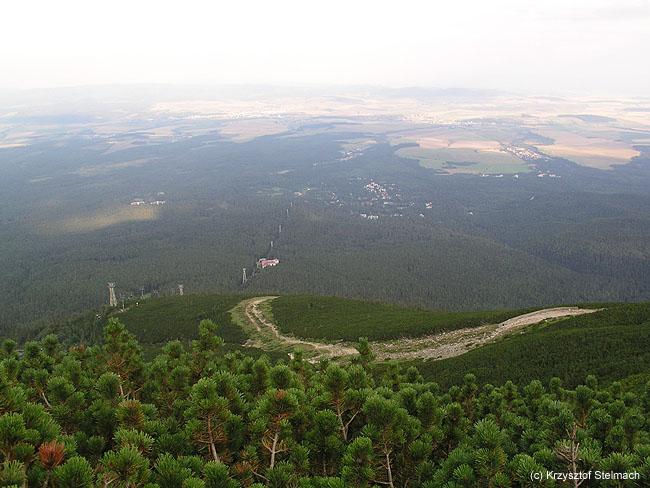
(332, 318)
(100, 219)
(464, 160)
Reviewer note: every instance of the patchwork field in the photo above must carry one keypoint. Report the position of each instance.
(456, 149)
(468, 133)
(489, 145)
(587, 150)
(247, 129)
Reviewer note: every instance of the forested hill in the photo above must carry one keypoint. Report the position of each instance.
(154, 321)
(611, 343)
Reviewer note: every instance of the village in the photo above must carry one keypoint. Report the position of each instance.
(525, 153)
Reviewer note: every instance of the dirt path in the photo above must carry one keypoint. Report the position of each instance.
(264, 334)
(456, 342)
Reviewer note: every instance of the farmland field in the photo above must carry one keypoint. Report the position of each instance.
(248, 129)
(587, 150)
(466, 160)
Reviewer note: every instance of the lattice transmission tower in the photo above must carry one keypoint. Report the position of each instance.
(112, 300)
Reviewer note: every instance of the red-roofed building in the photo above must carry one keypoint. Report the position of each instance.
(268, 262)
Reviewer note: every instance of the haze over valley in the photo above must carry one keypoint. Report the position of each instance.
(325, 244)
(451, 199)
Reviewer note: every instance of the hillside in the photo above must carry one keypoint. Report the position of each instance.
(334, 318)
(198, 417)
(155, 321)
(610, 343)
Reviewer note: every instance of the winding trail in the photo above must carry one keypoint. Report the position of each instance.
(263, 333)
(266, 333)
(456, 342)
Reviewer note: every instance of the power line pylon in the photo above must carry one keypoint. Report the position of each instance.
(243, 276)
(112, 300)
(180, 289)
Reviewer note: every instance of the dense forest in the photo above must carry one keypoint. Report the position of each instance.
(192, 418)
(67, 227)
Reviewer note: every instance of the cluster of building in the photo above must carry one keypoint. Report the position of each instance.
(384, 198)
(139, 201)
(539, 175)
(368, 199)
(136, 203)
(379, 190)
(524, 153)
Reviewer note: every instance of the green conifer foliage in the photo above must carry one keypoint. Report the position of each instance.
(90, 417)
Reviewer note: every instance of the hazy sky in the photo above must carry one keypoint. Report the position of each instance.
(546, 45)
